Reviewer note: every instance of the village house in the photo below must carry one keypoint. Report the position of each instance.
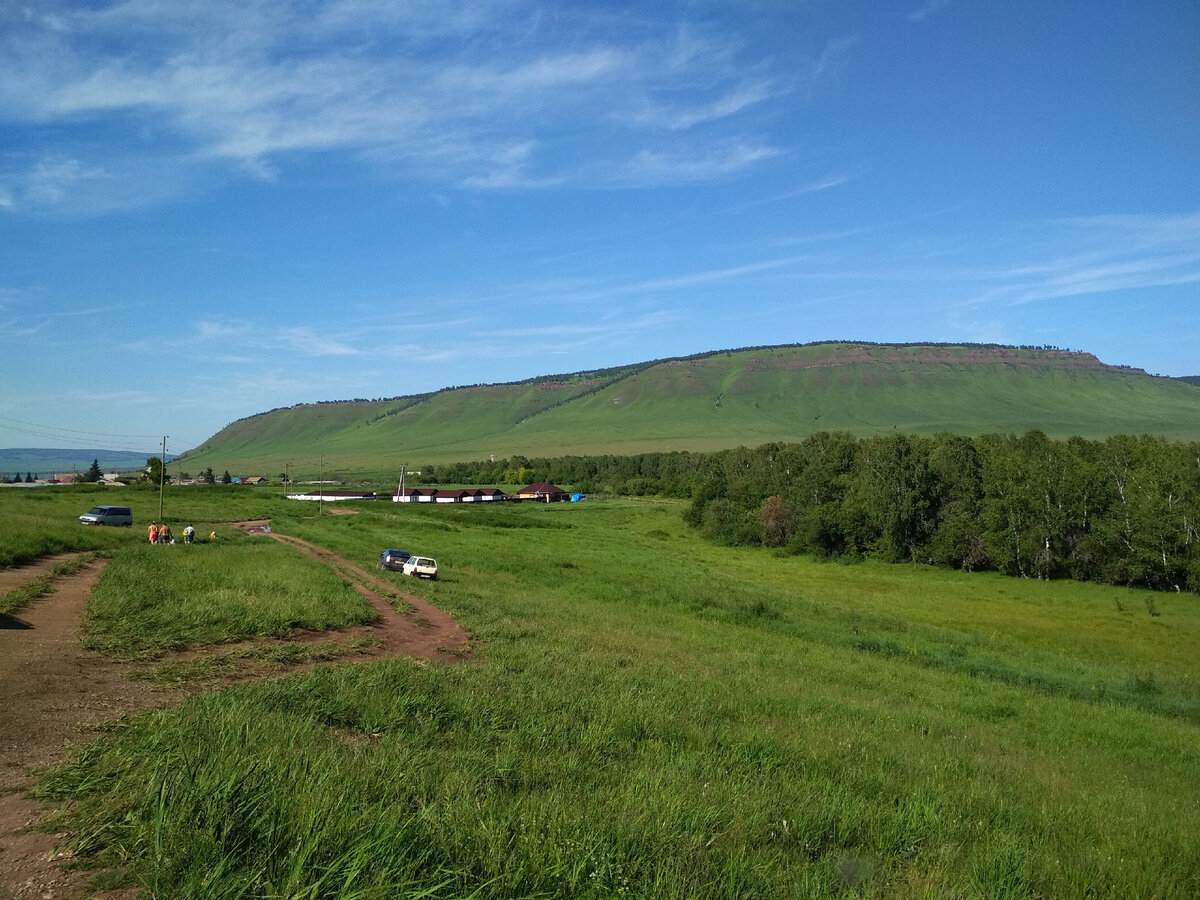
(414, 495)
(543, 492)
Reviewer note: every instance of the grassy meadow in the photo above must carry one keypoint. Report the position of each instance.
(644, 715)
(149, 603)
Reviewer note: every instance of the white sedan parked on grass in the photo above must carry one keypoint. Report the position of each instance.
(421, 566)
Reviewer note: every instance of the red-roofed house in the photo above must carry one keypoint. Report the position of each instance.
(543, 492)
(414, 495)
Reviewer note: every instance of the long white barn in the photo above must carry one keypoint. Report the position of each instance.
(332, 496)
(456, 495)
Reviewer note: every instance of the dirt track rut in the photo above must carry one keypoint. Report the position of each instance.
(53, 694)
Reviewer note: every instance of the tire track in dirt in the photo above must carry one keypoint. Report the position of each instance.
(54, 695)
(424, 631)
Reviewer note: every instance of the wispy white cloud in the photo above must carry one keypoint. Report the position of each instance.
(509, 170)
(14, 330)
(835, 56)
(708, 276)
(927, 9)
(681, 118)
(252, 390)
(517, 83)
(52, 178)
(691, 165)
(240, 340)
(30, 312)
(210, 330)
(123, 398)
(308, 341)
(605, 327)
(815, 186)
(821, 237)
(1098, 255)
(437, 90)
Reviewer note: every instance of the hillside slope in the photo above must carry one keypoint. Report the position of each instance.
(717, 400)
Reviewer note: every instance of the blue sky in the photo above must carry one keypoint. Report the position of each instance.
(209, 209)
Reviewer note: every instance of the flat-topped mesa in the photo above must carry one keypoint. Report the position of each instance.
(926, 354)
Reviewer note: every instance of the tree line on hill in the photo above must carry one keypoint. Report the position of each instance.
(1124, 510)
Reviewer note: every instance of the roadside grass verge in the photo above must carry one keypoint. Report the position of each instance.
(156, 599)
(648, 717)
(44, 584)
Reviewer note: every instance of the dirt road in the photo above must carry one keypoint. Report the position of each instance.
(53, 694)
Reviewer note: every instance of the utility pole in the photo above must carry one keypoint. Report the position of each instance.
(162, 477)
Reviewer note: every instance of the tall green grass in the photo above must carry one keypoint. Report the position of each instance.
(37, 522)
(646, 717)
(158, 598)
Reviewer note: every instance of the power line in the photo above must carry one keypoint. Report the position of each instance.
(52, 432)
(92, 433)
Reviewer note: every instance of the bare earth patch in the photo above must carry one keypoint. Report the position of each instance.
(54, 694)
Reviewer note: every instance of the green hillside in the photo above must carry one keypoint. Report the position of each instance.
(714, 401)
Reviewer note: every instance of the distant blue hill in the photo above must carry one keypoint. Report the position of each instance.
(46, 463)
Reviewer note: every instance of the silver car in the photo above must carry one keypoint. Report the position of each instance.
(107, 515)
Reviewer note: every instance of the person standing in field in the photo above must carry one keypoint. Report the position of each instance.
(164, 533)
(189, 534)
(152, 532)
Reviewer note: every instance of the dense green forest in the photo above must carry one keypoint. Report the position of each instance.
(1124, 510)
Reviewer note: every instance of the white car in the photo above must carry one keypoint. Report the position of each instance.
(422, 567)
